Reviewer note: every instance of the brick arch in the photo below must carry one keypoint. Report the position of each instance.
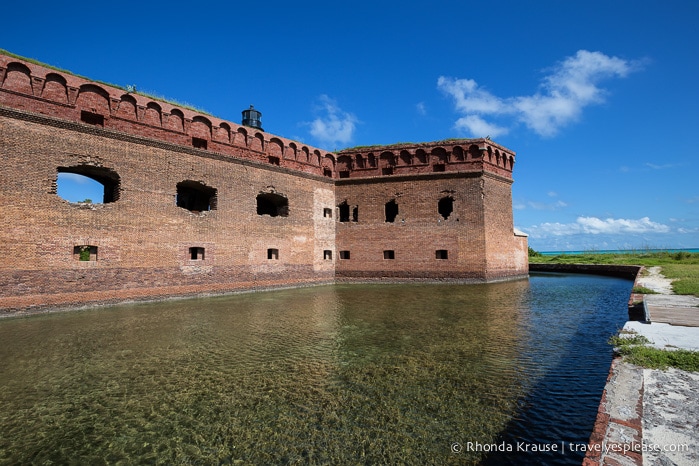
(18, 78)
(359, 161)
(457, 153)
(387, 159)
(240, 137)
(405, 158)
(127, 107)
(421, 156)
(344, 163)
(474, 152)
(291, 152)
(93, 99)
(257, 142)
(439, 155)
(200, 128)
(224, 133)
(275, 148)
(327, 164)
(55, 88)
(153, 115)
(371, 160)
(306, 154)
(175, 121)
(316, 157)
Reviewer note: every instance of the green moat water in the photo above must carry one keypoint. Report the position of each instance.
(346, 374)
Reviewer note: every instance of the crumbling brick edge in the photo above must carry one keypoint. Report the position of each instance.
(600, 442)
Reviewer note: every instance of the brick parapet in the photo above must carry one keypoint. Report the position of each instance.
(59, 94)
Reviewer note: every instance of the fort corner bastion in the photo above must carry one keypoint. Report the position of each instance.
(195, 205)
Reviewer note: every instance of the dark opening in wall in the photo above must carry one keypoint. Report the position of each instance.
(328, 255)
(92, 118)
(438, 167)
(442, 254)
(355, 214)
(391, 211)
(327, 172)
(344, 255)
(344, 209)
(272, 204)
(85, 253)
(273, 254)
(196, 254)
(273, 160)
(327, 213)
(195, 196)
(75, 177)
(199, 143)
(344, 174)
(445, 206)
(390, 254)
(387, 171)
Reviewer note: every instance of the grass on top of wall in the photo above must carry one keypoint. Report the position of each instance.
(681, 266)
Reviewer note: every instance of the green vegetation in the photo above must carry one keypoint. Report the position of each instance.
(681, 266)
(634, 350)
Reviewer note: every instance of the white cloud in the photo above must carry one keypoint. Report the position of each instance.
(565, 92)
(421, 109)
(479, 127)
(334, 125)
(597, 226)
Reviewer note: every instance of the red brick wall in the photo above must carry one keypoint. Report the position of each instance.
(143, 239)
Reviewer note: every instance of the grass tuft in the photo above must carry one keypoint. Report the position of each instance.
(632, 347)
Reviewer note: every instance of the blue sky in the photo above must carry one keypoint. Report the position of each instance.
(599, 99)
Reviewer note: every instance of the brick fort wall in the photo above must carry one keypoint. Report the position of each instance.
(194, 204)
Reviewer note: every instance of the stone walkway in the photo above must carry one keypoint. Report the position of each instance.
(650, 416)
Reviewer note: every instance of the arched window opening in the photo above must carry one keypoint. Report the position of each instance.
(445, 207)
(87, 184)
(391, 211)
(272, 204)
(195, 196)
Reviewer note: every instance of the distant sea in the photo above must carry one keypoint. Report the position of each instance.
(617, 251)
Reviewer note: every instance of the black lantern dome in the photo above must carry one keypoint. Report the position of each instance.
(252, 118)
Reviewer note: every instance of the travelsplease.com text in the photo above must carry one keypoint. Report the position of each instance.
(563, 447)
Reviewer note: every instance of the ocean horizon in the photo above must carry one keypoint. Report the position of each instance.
(619, 251)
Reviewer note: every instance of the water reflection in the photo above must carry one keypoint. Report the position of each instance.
(369, 374)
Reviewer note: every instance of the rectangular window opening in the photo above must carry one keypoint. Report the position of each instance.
(273, 160)
(196, 254)
(199, 143)
(442, 254)
(273, 254)
(344, 174)
(327, 213)
(387, 171)
(438, 167)
(85, 253)
(344, 255)
(390, 254)
(327, 255)
(92, 118)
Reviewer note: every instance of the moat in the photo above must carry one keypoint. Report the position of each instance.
(345, 374)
